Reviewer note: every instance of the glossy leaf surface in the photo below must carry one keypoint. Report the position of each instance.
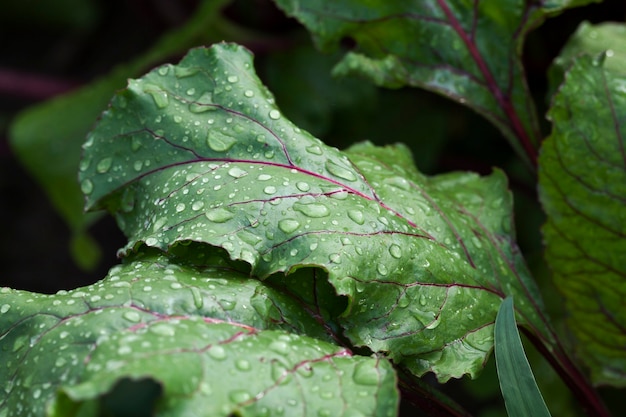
(582, 188)
(467, 51)
(517, 382)
(199, 152)
(214, 340)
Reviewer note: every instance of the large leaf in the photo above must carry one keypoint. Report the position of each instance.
(199, 152)
(582, 188)
(212, 338)
(468, 51)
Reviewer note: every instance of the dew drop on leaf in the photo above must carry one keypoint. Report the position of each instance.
(314, 149)
(314, 210)
(86, 186)
(365, 374)
(197, 205)
(180, 207)
(279, 346)
(288, 225)
(5, 308)
(274, 114)
(237, 172)
(203, 104)
(395, 251)
(242, 365)
(217, 352)
(382, 269)
(104, 165)
(159, 96)
(356, 216)
(269, 190)
(219, 215)
(239, 396)
(198, 300)
(163, 329)
(340, 171)
(132, 316)
(303, 186)
(248, 93)
(264, 177)
(220, 142)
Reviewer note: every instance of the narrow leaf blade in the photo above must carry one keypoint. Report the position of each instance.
(517, 382)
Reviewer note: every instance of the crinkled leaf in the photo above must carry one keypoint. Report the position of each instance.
(468, 51)
(199, 152)
(583, 191)
(214, 339)
(594, 40)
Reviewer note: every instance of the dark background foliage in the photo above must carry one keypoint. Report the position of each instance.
(50, 47)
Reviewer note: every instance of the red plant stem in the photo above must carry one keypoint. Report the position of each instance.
(503, 99)
(586, 395)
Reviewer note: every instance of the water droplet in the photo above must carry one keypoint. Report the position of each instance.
(264, 177)
(180, 207)
(395, 251)
(248, 93)
(288, 225)
(239, 396)
(227, 304)
(340, 171)
(220, 142)
(398, 182)
(217, 352)
(403, 302)
(104, 165)
(279, 346)
(269, 190)
(314, 210)
(138, 165)
(219, 215)
(197, 205)
(476, 241)
(5, 308)
(164, 70)
(314, 149)
(204, 104)
(36, 393)
(232, 79)
(274, 114)
(198, 300)
(302, 186)
(242, 365)
(356, 216)
(335, 258)
(132, 316)
(365, 374)
(163, 329)
(159, 96)
(237, 172)
(422, 299)
(86, 186)
(183, 72)
(434, 323)
(382, 269)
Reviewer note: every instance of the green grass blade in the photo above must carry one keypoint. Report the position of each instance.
(519, 389)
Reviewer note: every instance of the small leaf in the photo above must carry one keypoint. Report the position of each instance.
(213, 339)
(517, 382)
(199, 152)
(582, 188)
(467, 51)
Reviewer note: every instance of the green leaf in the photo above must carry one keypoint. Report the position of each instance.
(467, 51)
(47, 137)
(582, 188)
(517, 382)
(212, 338)
(199, 152)
(593, 40)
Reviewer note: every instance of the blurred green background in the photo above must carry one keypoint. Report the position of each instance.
(62, 60)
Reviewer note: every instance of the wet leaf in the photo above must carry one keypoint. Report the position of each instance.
(467, 51)
(199, 152)
(212, 338)
(582, 177)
